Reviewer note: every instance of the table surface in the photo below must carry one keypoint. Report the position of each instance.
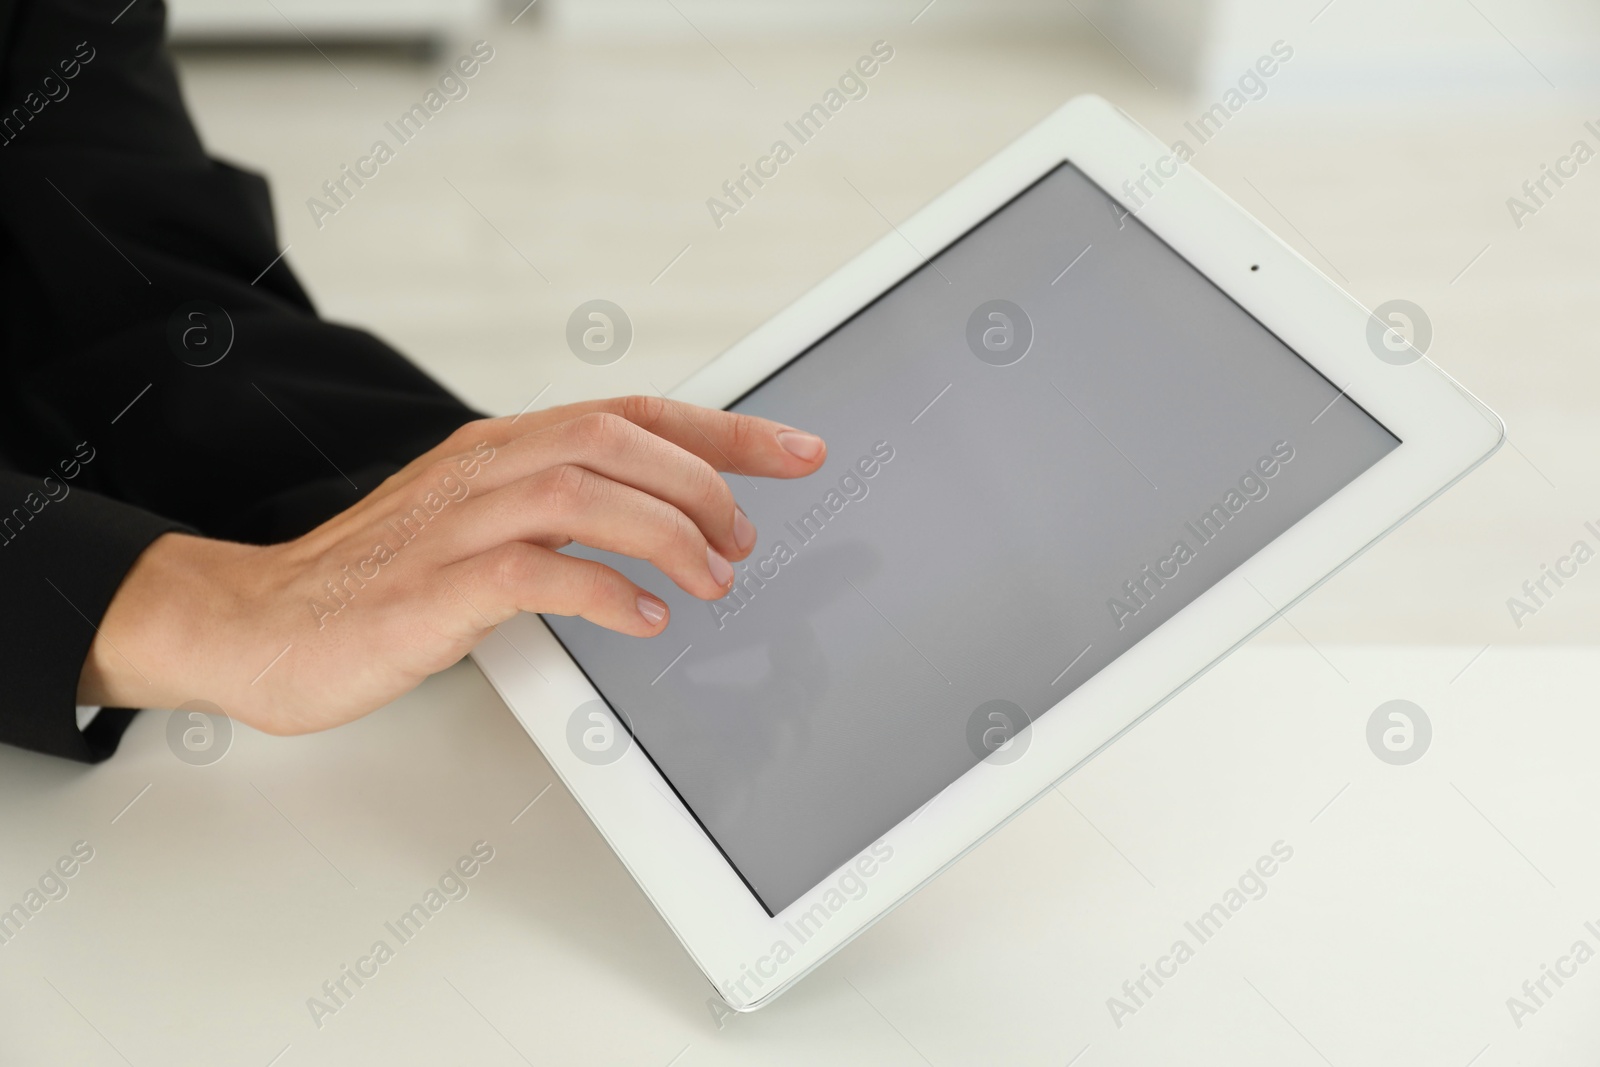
(1417, 900)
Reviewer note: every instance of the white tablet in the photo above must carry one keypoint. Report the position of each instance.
(1090, 427)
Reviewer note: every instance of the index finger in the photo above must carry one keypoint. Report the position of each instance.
(729, 441)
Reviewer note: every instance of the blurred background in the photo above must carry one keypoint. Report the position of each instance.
(580, 161)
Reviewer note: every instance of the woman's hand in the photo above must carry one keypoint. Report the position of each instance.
(316, 632)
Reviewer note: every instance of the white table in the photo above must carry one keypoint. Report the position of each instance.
(1418, 899)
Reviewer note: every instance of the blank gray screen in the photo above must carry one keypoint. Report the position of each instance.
(1019, 528)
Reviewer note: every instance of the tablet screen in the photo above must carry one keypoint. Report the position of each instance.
(1042, 444)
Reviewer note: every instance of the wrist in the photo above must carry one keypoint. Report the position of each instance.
(160, 642)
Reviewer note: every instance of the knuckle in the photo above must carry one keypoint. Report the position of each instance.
(441, 468)
(566, 487)
(680, 536)
(711, 489)
(469, 434)
(743, 432)
(668, 537)
(597, 585)
(593, 423)
(598, 430)
(478, 429)
(514, 566)
(643, 411)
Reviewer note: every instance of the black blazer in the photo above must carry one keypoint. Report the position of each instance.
(116, 228)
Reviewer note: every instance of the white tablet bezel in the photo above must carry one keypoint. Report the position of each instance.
(750, 957)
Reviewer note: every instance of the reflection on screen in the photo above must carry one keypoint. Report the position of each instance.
(1042, 445)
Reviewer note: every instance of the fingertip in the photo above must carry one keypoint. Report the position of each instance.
(807, 447)
(720, 569)
(744, 532)
(653, 611)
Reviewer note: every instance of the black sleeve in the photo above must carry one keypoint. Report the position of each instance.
(63, 552)
(151, 324)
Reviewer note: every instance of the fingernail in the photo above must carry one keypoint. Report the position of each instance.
(806, 446)
(744, 531)
(652, 609)
(721, 569)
